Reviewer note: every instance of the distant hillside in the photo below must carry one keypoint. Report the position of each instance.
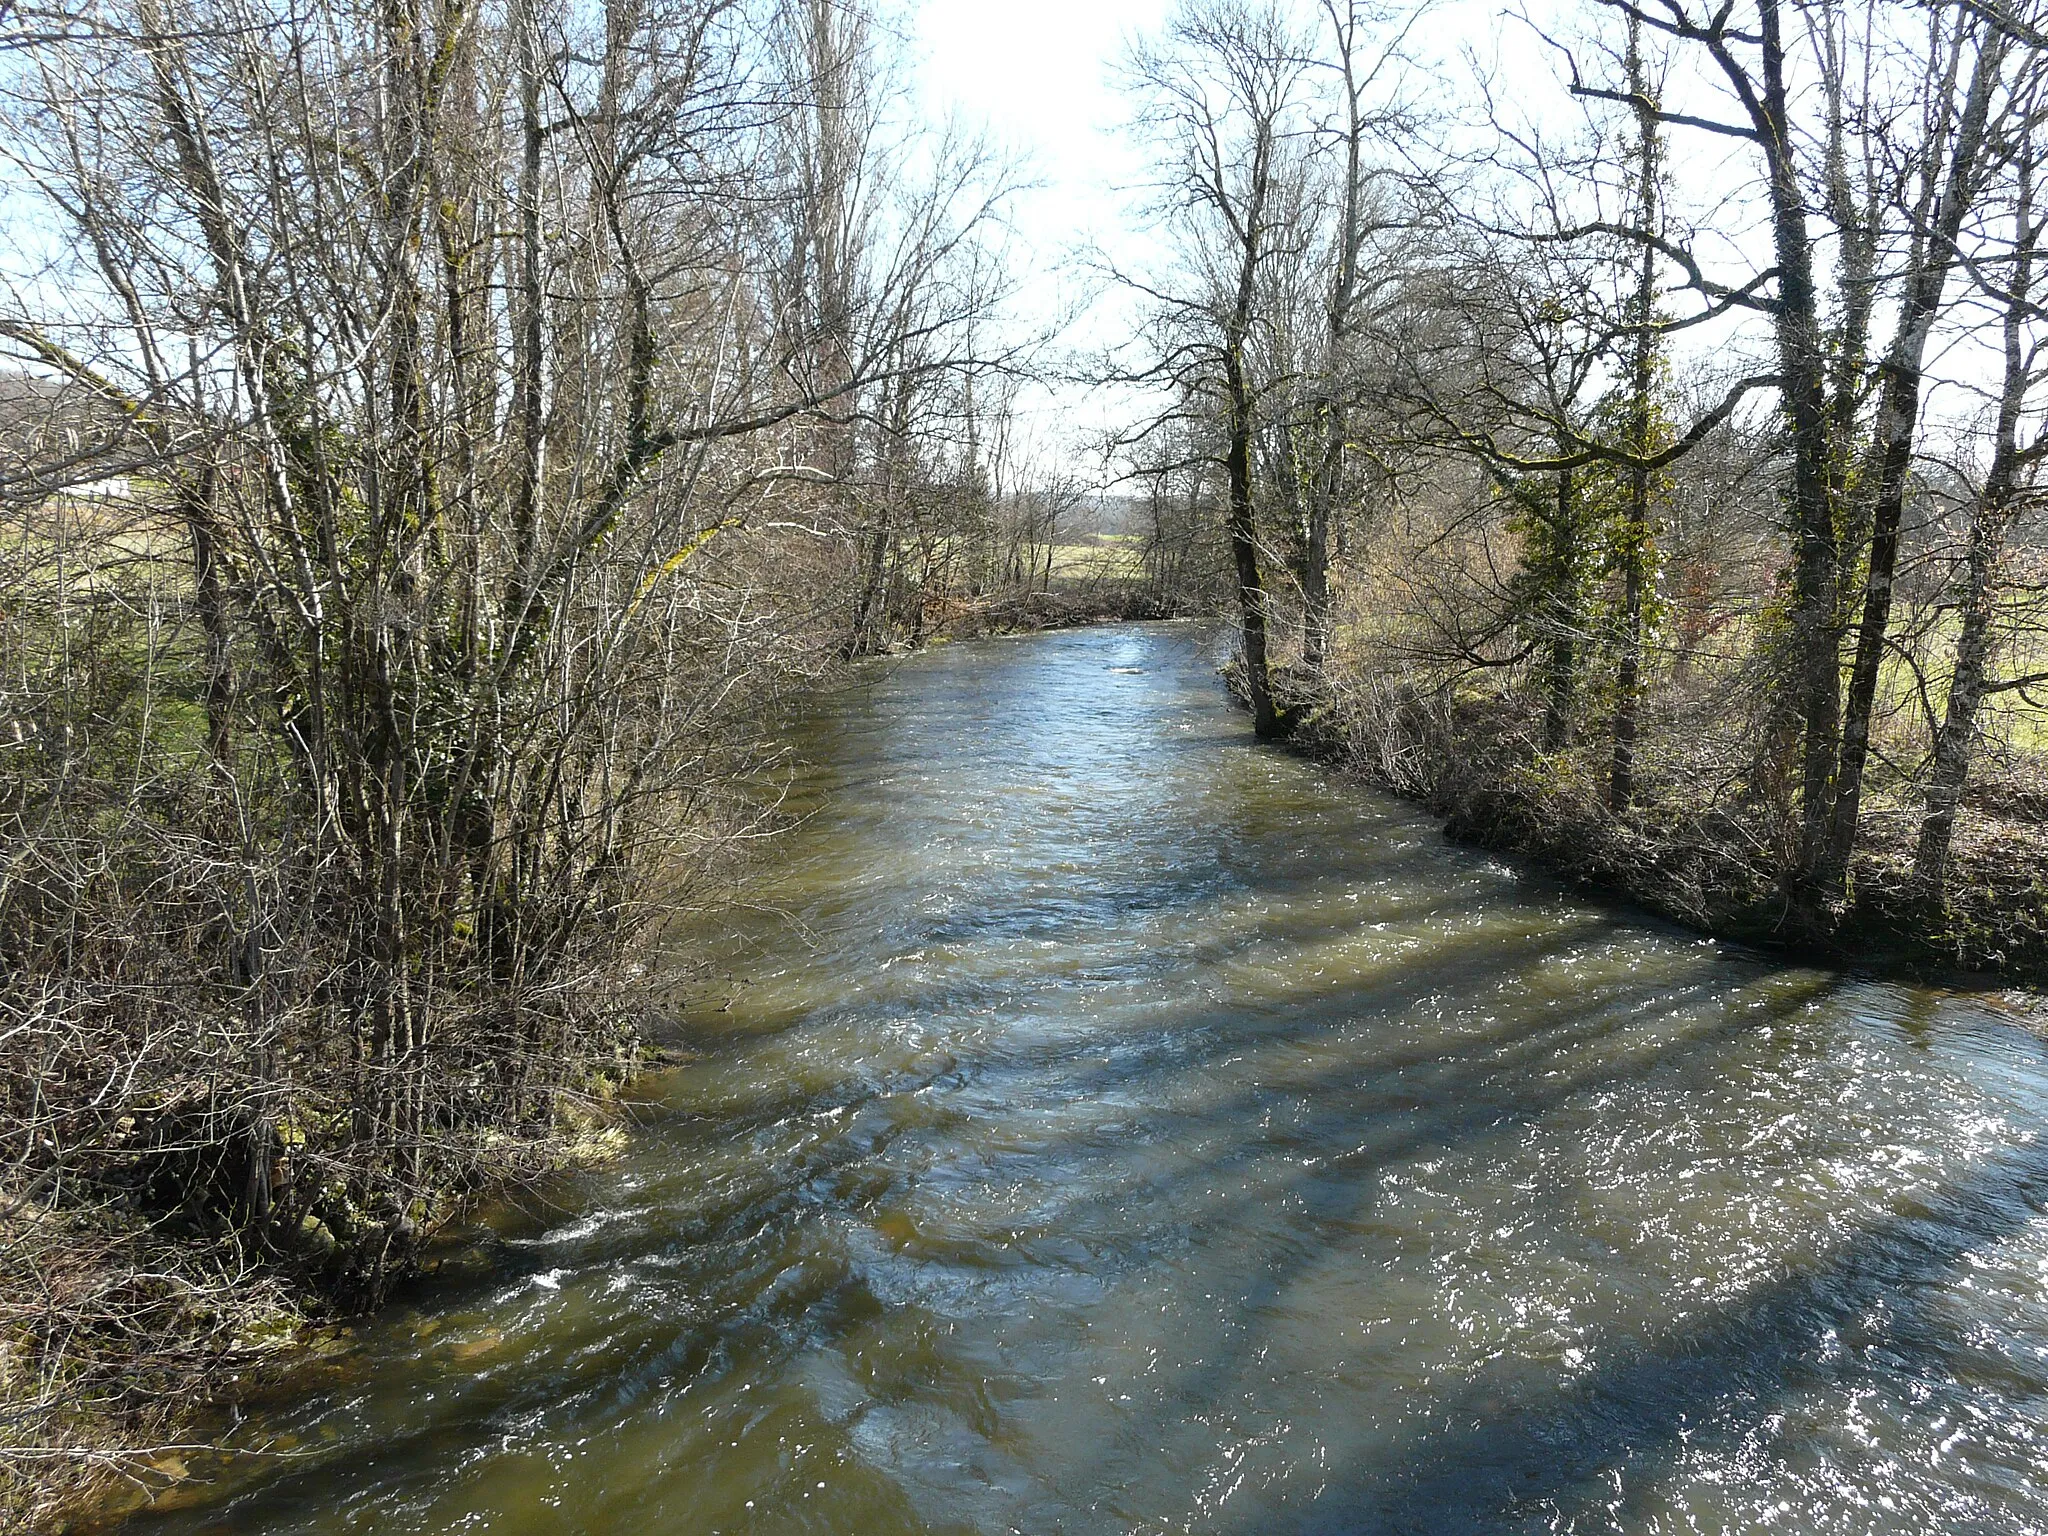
(1104, 513)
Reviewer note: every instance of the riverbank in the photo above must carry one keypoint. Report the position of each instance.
(1694, 860)
(1074, 606)
(127, 1334)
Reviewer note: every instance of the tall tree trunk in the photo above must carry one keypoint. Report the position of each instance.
(1891, 455)
(1326, 487)
(1315, 574)
(871, 612)
(1566, 621)
(1267, 720)
(1239, 406)
(1810, 706)
(195, 497)
(529, 311)
(1635, 529)
(1955, 742)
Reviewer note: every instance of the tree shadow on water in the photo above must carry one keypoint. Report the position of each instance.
(745, 1252)
(1532, 1455)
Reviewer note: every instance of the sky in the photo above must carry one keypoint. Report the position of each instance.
(1039, 74)
(1038, 77)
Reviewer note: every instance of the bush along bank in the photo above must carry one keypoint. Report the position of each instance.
(196, 1209)
(1712, 862)
(1074, 605)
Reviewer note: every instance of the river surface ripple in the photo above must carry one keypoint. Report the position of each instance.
(1119, 1127)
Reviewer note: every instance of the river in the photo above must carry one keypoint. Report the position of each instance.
(1105, 1124)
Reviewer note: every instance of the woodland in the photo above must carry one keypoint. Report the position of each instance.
(439, 440)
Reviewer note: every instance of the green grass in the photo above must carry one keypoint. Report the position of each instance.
(1119, 561)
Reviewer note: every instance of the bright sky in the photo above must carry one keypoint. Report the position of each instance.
(1039, 76)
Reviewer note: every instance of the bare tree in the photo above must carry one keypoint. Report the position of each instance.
(464, 358)
(2008, 486)
(1221, 95)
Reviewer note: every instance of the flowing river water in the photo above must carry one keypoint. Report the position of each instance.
(1115, 1126)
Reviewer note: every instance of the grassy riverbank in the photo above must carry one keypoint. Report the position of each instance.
(1708, 860)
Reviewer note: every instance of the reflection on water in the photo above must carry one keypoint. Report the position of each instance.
(1122, 1127)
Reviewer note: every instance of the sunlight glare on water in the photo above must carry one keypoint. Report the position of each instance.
(1114, 1126)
